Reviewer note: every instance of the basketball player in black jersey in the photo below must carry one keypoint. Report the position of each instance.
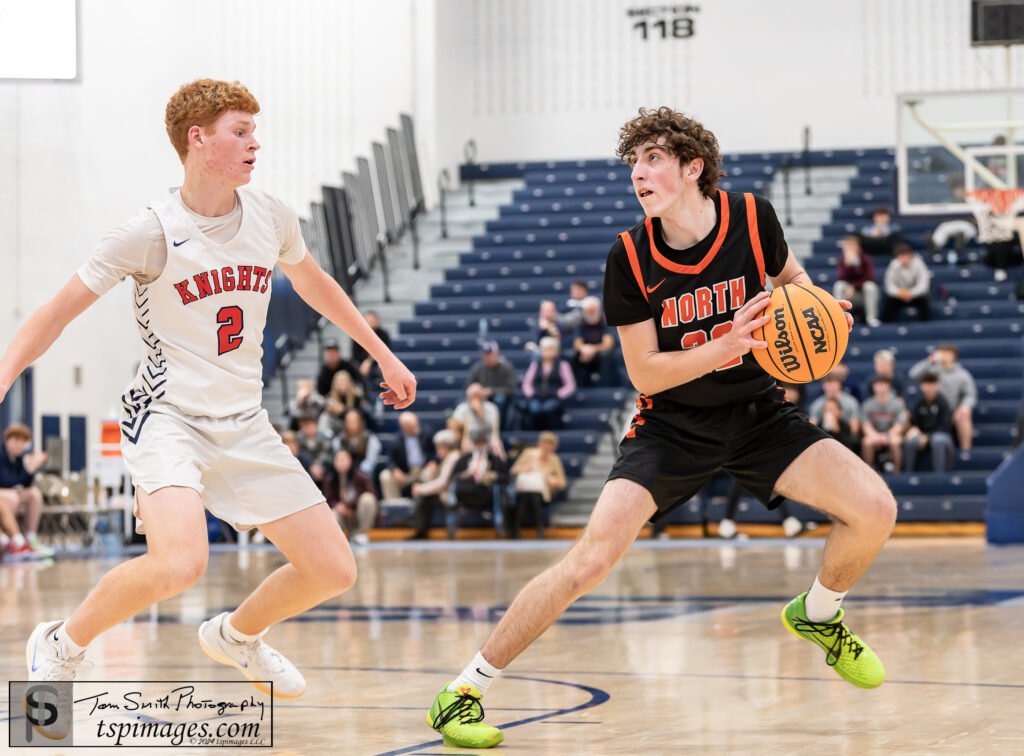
(686, 289)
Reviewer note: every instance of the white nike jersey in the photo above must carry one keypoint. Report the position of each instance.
(201, 321)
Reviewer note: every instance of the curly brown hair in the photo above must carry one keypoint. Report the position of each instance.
(200, 103)
(685, 138)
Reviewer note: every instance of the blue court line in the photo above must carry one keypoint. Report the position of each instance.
(597, 697)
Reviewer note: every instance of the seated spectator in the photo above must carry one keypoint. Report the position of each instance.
(885, 421)
(350, 494)
(547, 325)
(880, 237)
(291, 440)
(478, 414)
(410, 454)
(931, 426)
(572, 308)
(906, 283)
(855, 279)
(956, 385)
(1002, 254)
(363, 445)
(333, 362)
(366, 365)
(832, 388)
(307, 401)
(594, 342)
(539, 477)
(18, 467)
(432, 492)
(345, 395)
(884, 362)
(837, 426)
(546, 386)
(842, 370)
(458, 428)
(496, 377)
(475, 474)
(793, 393)
(958, 231)
(317, 447)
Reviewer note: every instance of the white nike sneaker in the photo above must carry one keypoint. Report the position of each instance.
(256, 660)
(46, 659)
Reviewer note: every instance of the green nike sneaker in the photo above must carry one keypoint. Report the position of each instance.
(847, 654)
(459, 717)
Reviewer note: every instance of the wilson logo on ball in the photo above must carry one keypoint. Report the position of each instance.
(783, 345)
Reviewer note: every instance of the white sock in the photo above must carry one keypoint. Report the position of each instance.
(68, 647)
(4, 540)
(480, 674)
(30, 535)
(821, 604)
(237, 636)
(18, 541)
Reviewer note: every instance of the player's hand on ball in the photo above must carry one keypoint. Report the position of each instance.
(399, 385)
(846, 304)
(750, 316)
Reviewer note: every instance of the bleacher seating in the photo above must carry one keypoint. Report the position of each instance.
(558, 228)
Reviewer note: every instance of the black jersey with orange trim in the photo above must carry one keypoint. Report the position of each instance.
(693, 294)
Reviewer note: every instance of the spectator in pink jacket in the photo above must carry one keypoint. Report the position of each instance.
(546, 386)
(855, 279)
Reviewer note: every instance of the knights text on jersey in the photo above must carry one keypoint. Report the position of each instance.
(693, 294)
(201, 321)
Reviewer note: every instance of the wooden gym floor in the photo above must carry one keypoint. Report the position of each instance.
(680, 651)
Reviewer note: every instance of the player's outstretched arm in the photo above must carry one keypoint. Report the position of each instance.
(652, 371)
(42, 329)
(323, 294)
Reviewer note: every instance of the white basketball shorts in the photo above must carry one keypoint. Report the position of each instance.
(238, 464)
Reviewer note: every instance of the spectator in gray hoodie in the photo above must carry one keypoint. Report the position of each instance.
(955, 384)
(906, 283)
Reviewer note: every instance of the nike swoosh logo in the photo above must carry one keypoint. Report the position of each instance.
(650, 289)
(222, 648)
(178, 244)
(490, 677)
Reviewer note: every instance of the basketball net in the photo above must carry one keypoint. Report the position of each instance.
(996, 212)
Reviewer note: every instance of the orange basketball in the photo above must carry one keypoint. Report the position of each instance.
(807, 334)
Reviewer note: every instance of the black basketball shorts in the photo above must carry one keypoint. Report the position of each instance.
(673, 450)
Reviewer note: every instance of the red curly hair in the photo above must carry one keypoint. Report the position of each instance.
(200, 103)
(685, 138)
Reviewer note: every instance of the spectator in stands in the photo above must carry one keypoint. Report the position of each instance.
(307, 401)
(956, 385)
(496, 377)
(332, 363)
(366, 365)
(880, 237)
(476, 413)
(832, 388)
(291, 440)
(885, 421)
(458, 428)
(593, 344)
(884, 362)
(410, 454)
(849, 386)
(475, 474)
(794, 393)
(931, 426)
(539, 477)
(317, 446)
(906, 283)
(364, 446)
(572, 310)
(548, 324)
(546, 386)
(855, 279)
(836, 425)
(350, 493)
(345, 395)
(430, 493)
(18, 467)
(1002, 254)
(958, 231)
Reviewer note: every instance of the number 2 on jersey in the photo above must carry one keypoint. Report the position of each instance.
(228, 338)
(696, 338)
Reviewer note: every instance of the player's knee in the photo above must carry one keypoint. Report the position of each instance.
(184, 571)
(339, 575)
(879, 511)
(590, 568)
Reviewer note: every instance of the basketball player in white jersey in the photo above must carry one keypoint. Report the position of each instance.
(193, 431)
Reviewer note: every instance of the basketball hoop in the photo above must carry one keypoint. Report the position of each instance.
(996, 212)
